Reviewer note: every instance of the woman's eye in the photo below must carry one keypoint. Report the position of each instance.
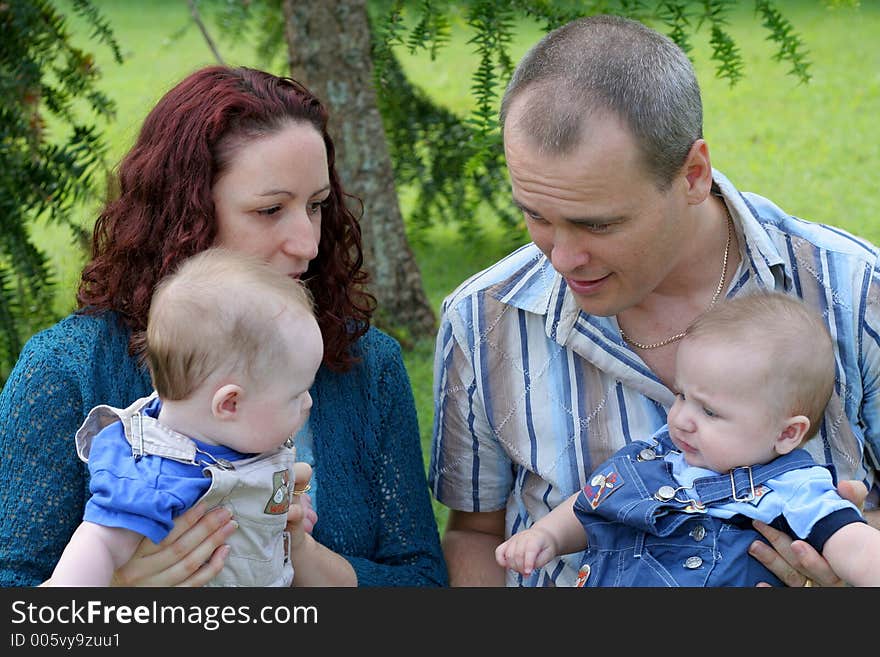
(316, 206)
(270, 211)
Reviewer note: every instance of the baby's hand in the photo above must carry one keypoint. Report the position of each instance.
(526, 550)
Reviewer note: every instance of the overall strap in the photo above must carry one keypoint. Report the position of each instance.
(144, 434)
(740, 483)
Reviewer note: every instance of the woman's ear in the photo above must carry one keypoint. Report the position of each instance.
(224, 403)
(793, 434)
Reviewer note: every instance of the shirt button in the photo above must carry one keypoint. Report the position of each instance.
(698, 533)
(693, 562)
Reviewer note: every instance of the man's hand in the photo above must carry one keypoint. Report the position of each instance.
(469, 548)
(796, 562)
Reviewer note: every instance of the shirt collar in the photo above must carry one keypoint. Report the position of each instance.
(757, 250)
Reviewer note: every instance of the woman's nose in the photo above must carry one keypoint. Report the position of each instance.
(301, 238)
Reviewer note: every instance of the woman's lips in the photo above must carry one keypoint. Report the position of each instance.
(582, 286)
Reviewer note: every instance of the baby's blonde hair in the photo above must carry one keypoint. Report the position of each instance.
(218, 313)
(800, 367)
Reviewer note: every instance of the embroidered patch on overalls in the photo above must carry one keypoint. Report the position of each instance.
(583, 575)
(280, 500)
(602, 484)
(760, 492)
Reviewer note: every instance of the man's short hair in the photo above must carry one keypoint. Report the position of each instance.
(609, 64)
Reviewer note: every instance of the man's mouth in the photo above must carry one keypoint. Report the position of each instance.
(586, 286)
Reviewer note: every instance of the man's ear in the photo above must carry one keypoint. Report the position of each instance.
(224, 403)
(698, 172)
(793, 434)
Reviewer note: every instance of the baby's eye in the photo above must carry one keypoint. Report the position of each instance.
(709, 412)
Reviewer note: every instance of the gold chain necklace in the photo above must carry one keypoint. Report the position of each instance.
(679, 336)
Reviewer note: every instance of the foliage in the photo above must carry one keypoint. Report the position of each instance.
(42, 72)
(455, 163)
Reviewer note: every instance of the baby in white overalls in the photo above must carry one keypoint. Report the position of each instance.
(233, 348)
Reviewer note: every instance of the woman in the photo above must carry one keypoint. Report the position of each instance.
(242, 159)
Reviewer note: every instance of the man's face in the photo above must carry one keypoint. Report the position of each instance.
(597, 214)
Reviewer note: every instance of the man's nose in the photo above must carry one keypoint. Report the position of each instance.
(570, 251)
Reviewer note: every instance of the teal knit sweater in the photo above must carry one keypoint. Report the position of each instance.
(375, 506)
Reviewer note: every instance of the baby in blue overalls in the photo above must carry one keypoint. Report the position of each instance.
(753, 376)
(232, 347)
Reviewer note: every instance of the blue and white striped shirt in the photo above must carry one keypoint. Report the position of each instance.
(531, 393)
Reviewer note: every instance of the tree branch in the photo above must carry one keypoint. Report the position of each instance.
(194, 12)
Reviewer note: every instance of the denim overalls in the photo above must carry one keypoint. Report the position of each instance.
(256, 490)
(644, 529)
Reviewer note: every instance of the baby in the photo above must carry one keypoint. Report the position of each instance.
(233, 348)
(753, 376)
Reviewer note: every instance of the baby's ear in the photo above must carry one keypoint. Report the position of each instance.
(793, 434)
(224, 403)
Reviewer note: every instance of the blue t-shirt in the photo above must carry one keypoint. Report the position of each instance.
(145, 494)
(805, 497)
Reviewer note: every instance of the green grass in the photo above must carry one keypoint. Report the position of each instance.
(812, 149)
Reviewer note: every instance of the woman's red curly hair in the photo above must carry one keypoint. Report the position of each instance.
(163, 210)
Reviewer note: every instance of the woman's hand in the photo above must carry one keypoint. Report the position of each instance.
(191, 555)
(796, 562)
(313, 564)
(310, 516)
(301, 516)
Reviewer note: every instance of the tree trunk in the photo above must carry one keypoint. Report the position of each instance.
(329, 51)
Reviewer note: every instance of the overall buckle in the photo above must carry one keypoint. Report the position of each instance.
(751, 494)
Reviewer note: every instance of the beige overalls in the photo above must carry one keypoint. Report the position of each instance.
(256, 490)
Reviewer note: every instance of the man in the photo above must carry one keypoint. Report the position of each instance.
(561, 353)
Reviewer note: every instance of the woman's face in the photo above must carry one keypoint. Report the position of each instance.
(269, 199)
